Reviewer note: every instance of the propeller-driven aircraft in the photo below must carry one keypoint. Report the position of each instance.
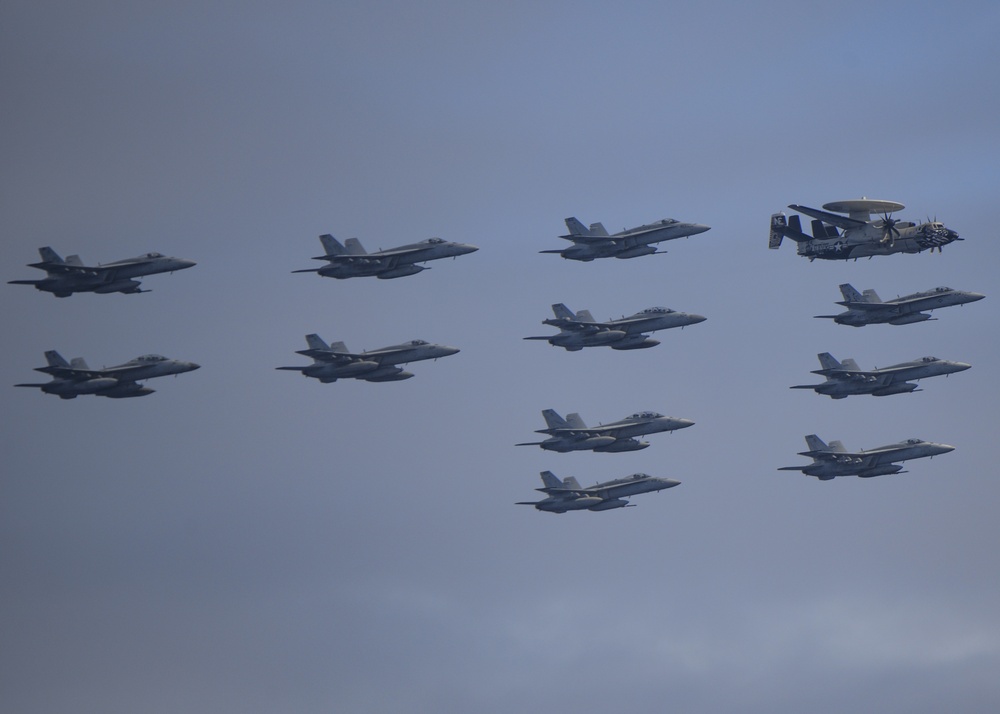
(580, 329)
(351, 260)
(73, 378)
(830, 461)
(846, 378)
(866, 308)
(594, 242)
(65, 277)
(334, 361)
(568, 495)
(861, 237)
(572, 434)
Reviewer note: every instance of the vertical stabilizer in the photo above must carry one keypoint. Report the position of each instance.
(74, 260)
(55, 359)
(576, 228)
(850, 294)
(316, 342)
(598, 229)
(331, 246)
(551, 480)
(584, 316)
(828, 361)
(837, 446)
(553, 420)
(815, 443)
(49, 255)
(850, 365)
(79, 363)
(563, 312)
(574, 421)
(871, 296)
(354, 247)
(571, 482)
(339, 347)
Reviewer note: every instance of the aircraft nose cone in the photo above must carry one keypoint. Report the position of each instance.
(447, 351)
(191, 366)
(182, 264)
(466, 248)
(670, 483)
(695, 319)
(683, 423)
(976, 296)
(961, 366)
(699, 228)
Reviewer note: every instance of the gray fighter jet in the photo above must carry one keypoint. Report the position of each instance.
(580, 330)
(350, 260)
(65, 277)
(334, 361)
(845, 378)
(866, 308)
(571, 434)
(568, 495)
(594, 242)
(71, 379)
(830, 461)
(861, 237)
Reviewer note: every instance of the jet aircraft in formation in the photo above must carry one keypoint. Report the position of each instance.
(568, 495)
(845, 378)
(572, 434)
(65, 277)
(862, 236)
(830, 461)
(71, 379)
(580, 330)
(350, 260)
(334, 361)
(867, 308)
(594, 242)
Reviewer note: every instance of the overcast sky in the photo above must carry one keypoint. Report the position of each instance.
(248, 540)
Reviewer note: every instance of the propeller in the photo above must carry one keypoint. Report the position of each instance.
(889, 231)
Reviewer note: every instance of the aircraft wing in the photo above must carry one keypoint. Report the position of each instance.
(887, 307)
(833, 219)
(74, 374)
(592, 240)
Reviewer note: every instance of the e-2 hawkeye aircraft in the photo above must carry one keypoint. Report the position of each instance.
(334, 361)
(862, 237)
(845, 378)
(568, 495)
(594, 242)
(65, 277)
(572, 434)
(351, 260)
(867, 308)
(830, 461)
(580, 329)
(73, 378)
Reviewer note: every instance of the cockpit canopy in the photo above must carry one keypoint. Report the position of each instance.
(928, 359)
(646, 415)
(656, 311)
(151, 358)
(914, 441)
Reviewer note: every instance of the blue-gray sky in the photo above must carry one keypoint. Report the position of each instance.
(247, 540)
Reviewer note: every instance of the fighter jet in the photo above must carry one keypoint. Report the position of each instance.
(861, 237)
(71, 379)
(866, 308)
(594, 242)
(580, 330)
(350, 260)
(571, 434)
(834, 460)
(846, 378)
(567, 494)
(65, 277)
(334, 361)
